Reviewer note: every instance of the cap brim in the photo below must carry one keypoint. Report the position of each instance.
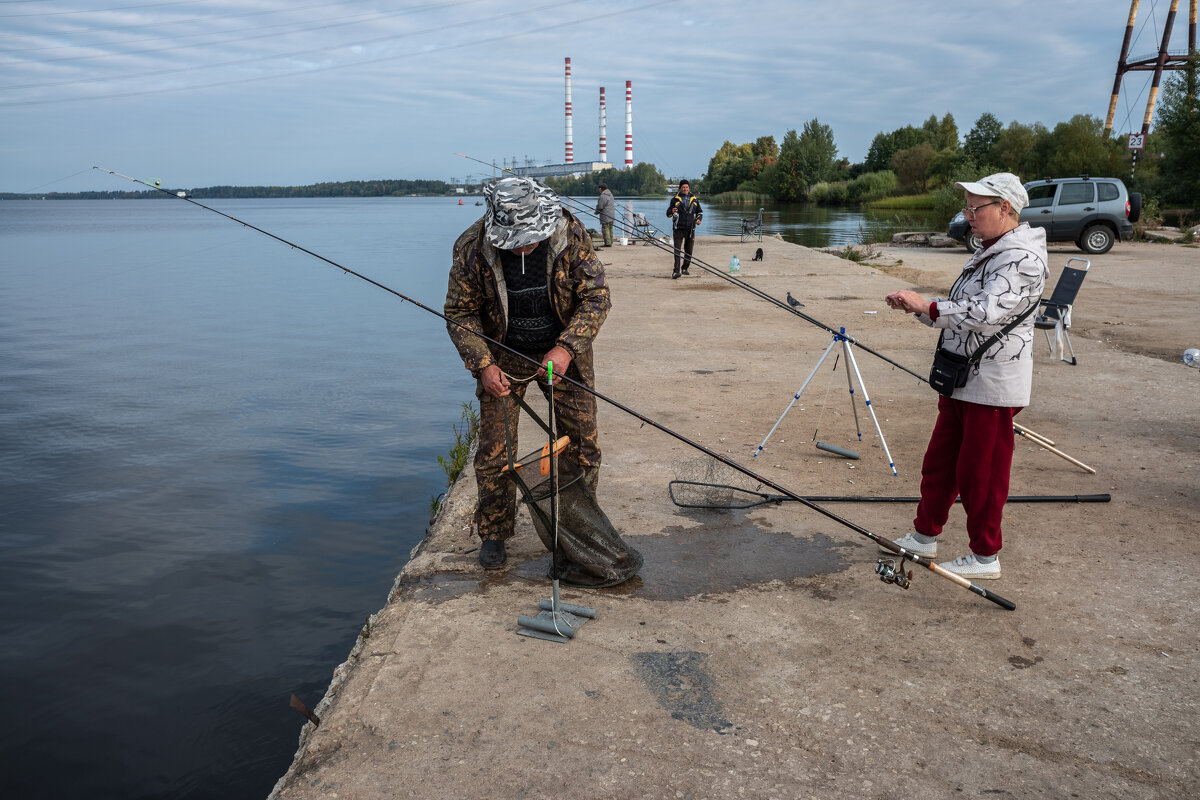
(978, 189)
(507, 239)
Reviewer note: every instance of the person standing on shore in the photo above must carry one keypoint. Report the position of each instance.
(685, 214)
(971, 448)
(525, 275)
(606, 212)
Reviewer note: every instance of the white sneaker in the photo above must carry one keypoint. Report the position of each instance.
(913, 546)
(969, 567)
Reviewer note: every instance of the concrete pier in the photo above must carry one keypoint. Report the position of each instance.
(758, 654)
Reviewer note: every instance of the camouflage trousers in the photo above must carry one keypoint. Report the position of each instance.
(575, 417)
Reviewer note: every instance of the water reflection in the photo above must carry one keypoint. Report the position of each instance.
(802, 223)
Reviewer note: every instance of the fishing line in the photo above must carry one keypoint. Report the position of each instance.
(51, 183)
(887, 544)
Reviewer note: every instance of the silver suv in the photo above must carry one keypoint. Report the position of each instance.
(1091, 212)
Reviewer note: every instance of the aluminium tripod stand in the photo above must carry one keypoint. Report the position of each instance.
(851, 364)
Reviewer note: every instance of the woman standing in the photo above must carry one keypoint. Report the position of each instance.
(970, 450)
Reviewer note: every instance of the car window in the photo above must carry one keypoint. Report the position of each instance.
(1074, 193)
(1041, 195)
(1108, 191)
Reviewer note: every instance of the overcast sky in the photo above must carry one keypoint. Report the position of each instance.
(287, 92)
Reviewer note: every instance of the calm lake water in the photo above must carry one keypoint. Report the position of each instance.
(216, 453)
(809, 225)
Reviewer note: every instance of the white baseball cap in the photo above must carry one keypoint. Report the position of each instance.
(1004, 185)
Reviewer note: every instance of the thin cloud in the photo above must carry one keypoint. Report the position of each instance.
(257, 92)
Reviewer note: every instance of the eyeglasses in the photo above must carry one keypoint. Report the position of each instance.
(970, 212)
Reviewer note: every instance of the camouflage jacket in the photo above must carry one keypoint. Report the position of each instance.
(477, 299)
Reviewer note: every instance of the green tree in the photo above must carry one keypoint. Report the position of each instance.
(818, 152)
(1037, 157)
(764, 147)
(886, 145)
(1178, 127)
(879, 154)
(766, 154)
(730, 166)
(944, 164)
(912, 167)
(805, 159)
(941, 134)
(1079, 148)
(979, 141)
(1011, 146)
(644, 179)
(787, 178)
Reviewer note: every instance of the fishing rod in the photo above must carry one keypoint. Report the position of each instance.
(792, 305)
(710, 496)
(886, 569)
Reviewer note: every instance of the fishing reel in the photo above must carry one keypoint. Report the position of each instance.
(887, 571)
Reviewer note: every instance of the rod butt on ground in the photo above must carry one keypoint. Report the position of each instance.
(1008, 605)
(841, 451)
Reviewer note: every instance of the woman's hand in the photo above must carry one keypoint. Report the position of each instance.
(908, 301)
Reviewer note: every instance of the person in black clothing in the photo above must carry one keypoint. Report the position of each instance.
(685, 214)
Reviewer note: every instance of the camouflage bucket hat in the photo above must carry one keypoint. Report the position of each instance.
(521, 211)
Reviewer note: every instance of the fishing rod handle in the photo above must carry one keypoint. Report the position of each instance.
(966, 584)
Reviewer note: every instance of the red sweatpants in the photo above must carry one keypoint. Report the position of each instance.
(970, 453)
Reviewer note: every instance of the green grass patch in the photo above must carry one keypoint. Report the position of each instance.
(908, 202)
(453, 464)
(741, 198)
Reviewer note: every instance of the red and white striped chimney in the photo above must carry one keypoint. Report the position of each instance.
(603, 129)
(570, 135)
(628, 124)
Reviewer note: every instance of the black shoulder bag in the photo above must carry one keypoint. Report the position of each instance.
(950, 370)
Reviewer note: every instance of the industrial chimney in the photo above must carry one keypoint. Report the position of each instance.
(603, 129)
(570, 136)
(628, 124)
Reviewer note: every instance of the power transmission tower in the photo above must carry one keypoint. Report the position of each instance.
(1164, 59)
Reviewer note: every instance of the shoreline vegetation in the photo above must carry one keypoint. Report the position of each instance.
(915, 167)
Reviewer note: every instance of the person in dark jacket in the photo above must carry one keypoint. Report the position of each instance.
(606, 212)
(525, 275)
(685, 214)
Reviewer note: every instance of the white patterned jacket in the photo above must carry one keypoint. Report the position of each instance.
(996, 286)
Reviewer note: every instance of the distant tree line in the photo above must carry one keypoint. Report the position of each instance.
(929, 159)
(644, 179)
(377, 188)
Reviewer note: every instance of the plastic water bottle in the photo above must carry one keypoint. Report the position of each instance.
(1191, 357)
(735, 265)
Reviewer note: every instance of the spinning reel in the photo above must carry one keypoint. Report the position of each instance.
(887, 571)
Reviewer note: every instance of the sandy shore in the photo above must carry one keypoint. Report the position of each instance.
(758, 654)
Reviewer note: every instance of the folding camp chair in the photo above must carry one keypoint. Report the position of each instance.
(1056, 315)
(642, 229)
(752, 228)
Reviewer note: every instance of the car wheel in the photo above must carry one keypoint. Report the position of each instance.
(1096, 239)
(972, 242)
(1135, 207)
